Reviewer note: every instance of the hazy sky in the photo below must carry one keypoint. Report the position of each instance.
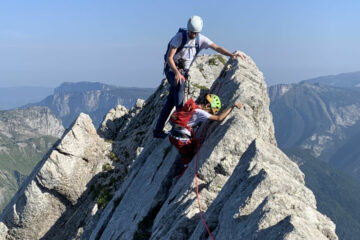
(44, 43)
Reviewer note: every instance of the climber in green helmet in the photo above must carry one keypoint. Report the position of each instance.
(214, 101)
(185, 120)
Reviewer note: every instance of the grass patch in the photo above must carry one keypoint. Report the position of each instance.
(104, 198)
(113, 157)
(201, 87)
(107, 167)
(212, 62)
(221, 59)
(102, 193)
(201, 69)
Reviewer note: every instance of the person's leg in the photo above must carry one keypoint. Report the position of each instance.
(175, 98)
(165, 111)
(179, 95)
(167, 108)
(186, 150)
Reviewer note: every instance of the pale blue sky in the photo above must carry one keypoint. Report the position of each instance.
(44, 43)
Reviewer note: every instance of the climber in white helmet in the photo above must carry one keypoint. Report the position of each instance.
(181, 53)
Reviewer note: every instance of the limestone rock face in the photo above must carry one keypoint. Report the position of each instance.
(30, 122)
(57, 183)
(114, 120)
(25, 136)
(266, 198)
(322, 119)
(3, 230)
(94, 99)
(247, 187)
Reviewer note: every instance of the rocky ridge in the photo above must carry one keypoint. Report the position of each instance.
(94, 99)
(30, 122)
(248, 187)
(56, 185)
(25, 136)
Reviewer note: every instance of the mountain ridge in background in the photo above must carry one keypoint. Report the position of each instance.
(25, 136)
(93, 98)
(326, 104)
(336, 192)
(93, 187)
(317, 125)
(14, 97)
(343, 80)
(321, 118)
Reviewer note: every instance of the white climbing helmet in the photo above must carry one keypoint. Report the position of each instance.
(195, 24)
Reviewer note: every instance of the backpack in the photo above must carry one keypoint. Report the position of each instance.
(182, 116)
(183, 31)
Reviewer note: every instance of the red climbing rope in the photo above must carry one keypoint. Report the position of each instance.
(196, 169)
(216, 85)
(220, 86)
(197, 191)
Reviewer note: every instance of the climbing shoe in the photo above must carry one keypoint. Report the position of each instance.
(159, 134)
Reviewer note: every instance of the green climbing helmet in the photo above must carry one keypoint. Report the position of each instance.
(215, 102)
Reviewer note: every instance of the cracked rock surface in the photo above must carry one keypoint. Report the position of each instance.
(248, 188)
(56, 184)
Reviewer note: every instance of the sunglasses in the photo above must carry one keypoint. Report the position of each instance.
(193, 33)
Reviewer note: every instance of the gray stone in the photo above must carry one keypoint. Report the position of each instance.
(57, 183)
(25, 136)
(248, 188)
(265, 198)
(152, 203)
(3, 230)
(109, 125)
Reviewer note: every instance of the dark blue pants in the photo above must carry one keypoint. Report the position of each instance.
(175, 98)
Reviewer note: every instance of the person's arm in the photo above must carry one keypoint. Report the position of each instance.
(225, 113)
(225, 52)
(170, 60)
